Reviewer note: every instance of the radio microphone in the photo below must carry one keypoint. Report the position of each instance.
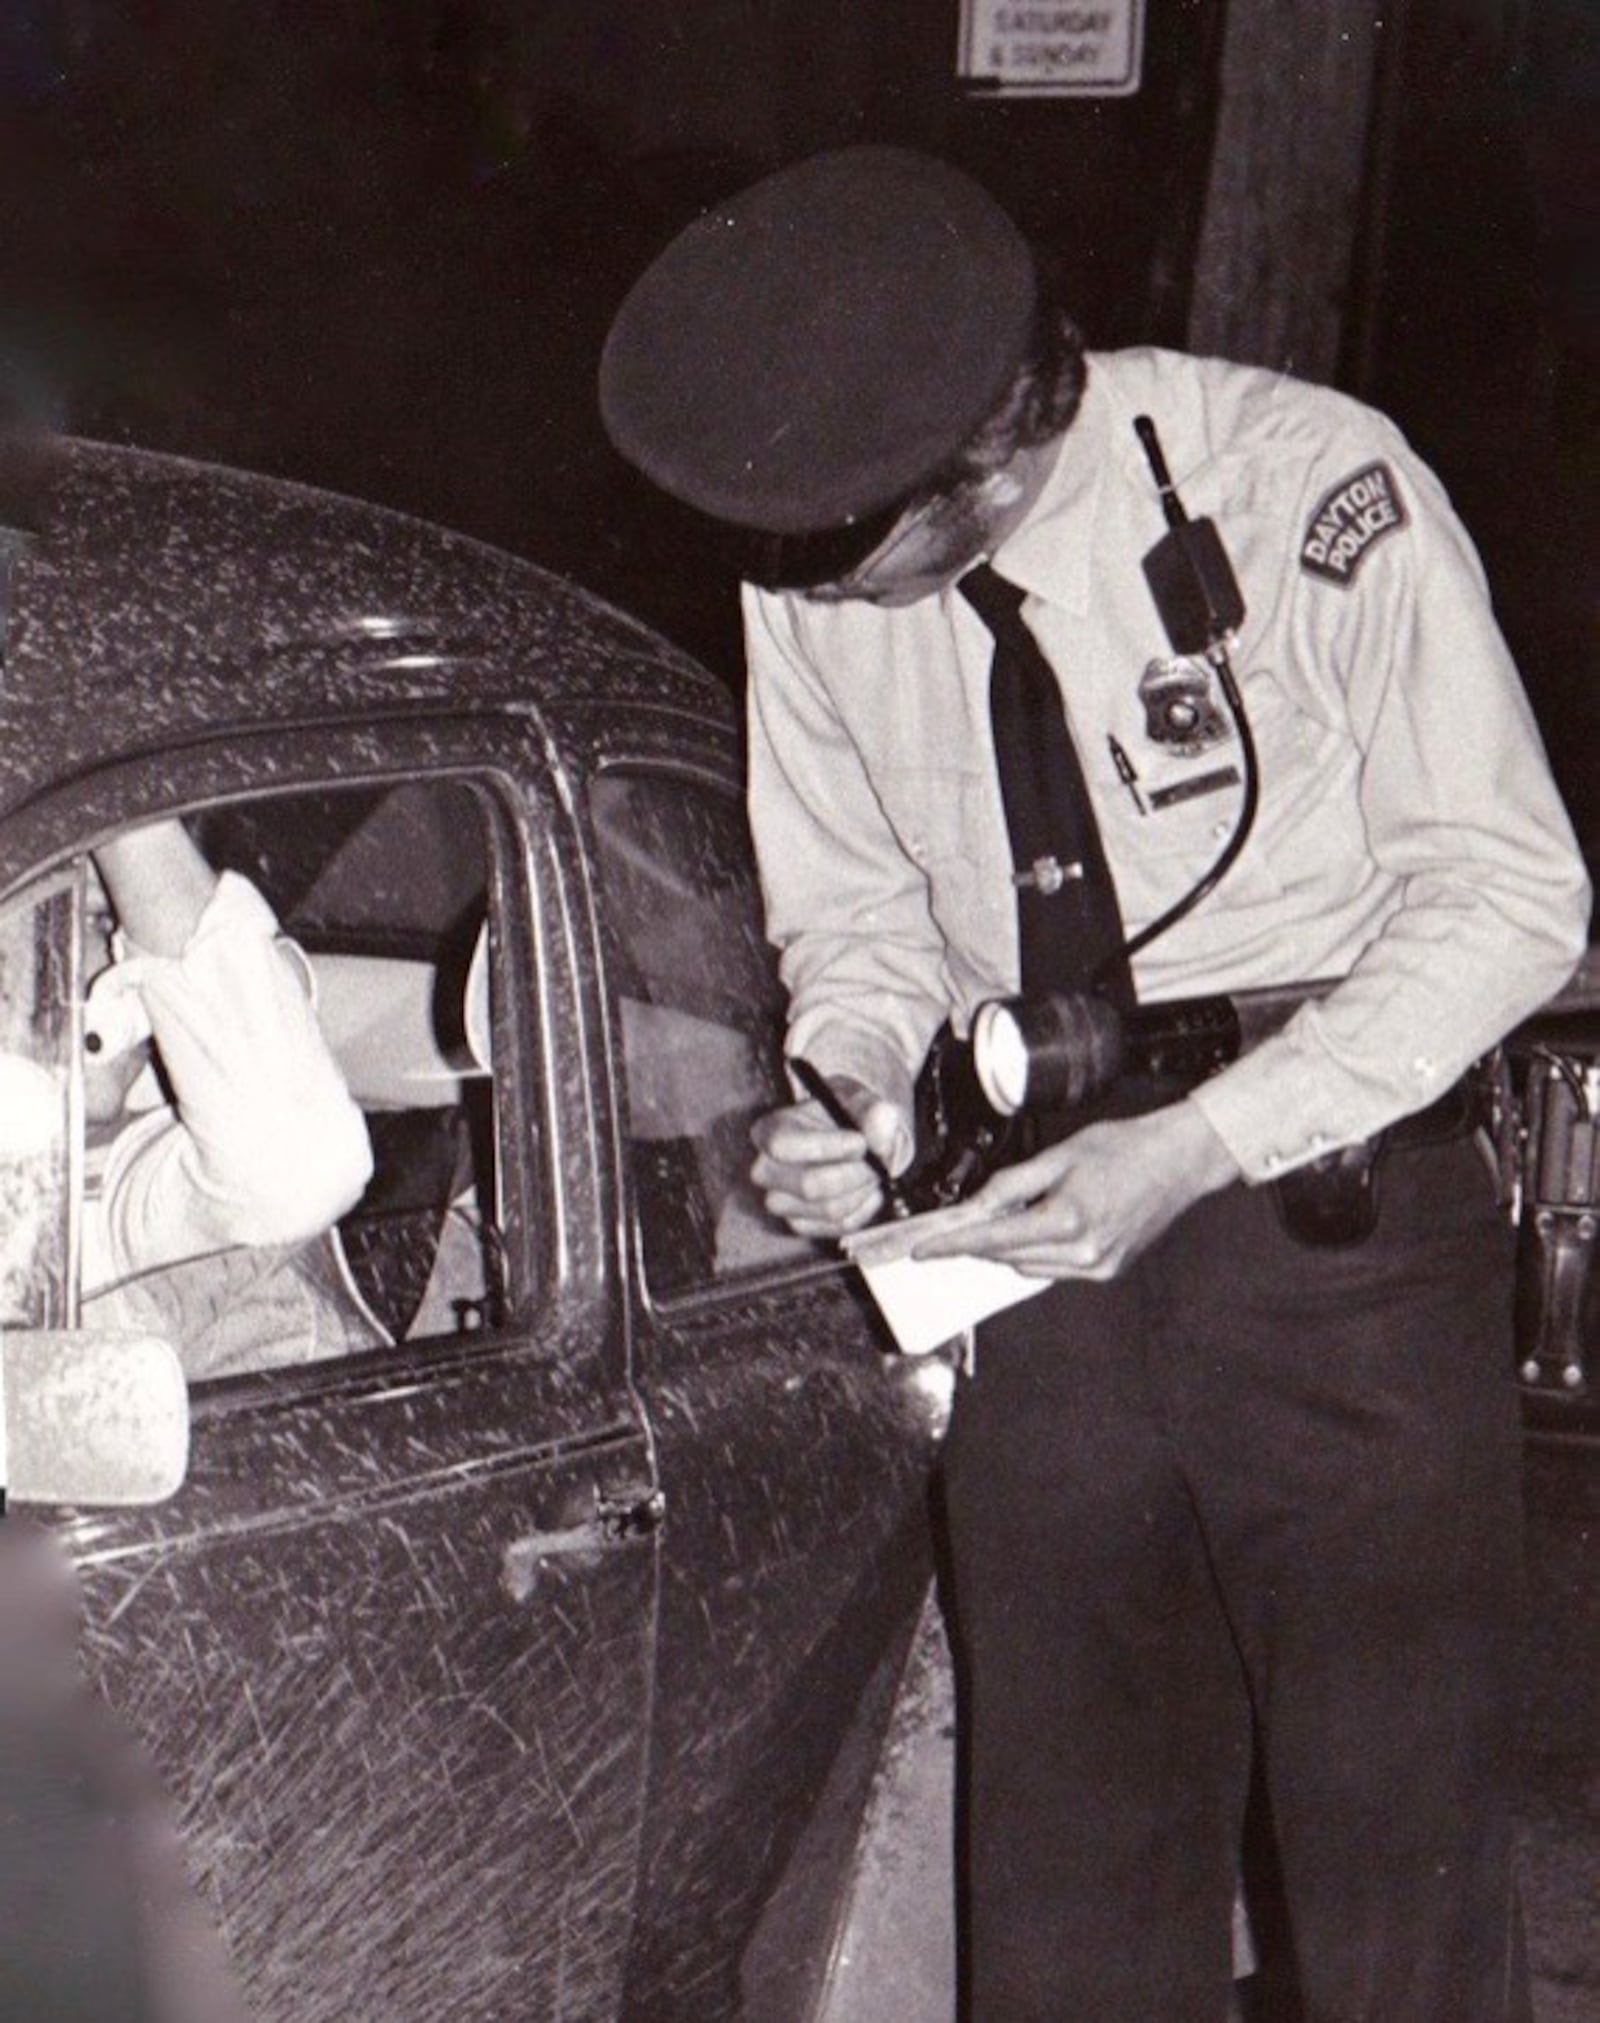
(1199, 602)
(1196, 593)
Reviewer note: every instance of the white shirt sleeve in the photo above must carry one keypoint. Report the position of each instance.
(847, 909)
(263, 1143)
(1460, 808)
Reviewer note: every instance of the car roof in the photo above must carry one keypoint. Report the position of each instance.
(155, 599)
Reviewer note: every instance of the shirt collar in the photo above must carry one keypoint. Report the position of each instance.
(1049, 554)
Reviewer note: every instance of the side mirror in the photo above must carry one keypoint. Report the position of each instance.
(91, 1417)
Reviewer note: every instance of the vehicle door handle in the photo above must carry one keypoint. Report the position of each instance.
(621, 1517)
(629, 1513)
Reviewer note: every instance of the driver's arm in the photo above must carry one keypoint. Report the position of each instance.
(263, 1144)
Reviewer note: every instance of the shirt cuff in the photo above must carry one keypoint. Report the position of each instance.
(235, 908)
(1285, 1104)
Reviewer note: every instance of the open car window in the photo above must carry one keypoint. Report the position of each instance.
(702, 1023)
(301, 1164)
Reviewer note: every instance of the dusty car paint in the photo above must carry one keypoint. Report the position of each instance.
(538, 1674)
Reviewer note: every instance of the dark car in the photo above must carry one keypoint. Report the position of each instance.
(528, 1651)
(528, 1654)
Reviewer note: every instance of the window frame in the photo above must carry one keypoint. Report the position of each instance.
(53, 1278)
(554, 1213)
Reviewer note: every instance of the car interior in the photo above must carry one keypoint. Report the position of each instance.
(385, 891)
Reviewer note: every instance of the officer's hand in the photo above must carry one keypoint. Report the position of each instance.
(1087, 1208)
(814, 1175)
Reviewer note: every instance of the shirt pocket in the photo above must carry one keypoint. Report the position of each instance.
(1194, 808)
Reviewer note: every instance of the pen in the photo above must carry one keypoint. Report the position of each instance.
(1125, 772)
(815, 1083)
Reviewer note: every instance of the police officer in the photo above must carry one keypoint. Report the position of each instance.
(1227, 1498)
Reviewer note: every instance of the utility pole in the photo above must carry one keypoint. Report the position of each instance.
(1297, 157)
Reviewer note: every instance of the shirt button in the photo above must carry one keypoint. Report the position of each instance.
(1424, 1069)
(1318, 1141)
(1221, 829)
(1272, 1161)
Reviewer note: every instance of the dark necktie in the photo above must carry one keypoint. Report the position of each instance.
(1068, 925)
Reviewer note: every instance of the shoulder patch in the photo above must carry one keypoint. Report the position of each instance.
(1350, 522)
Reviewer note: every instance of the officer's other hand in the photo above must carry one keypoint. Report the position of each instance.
(814, 1175)
(1087, 1208)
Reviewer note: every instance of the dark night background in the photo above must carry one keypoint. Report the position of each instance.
(375, 244)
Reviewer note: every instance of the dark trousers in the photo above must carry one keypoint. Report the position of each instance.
(1254, 1505)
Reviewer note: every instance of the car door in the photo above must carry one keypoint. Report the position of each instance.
(391, 1645)
(793, 1451)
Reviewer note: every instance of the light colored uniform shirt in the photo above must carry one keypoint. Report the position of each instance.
(264, 1145)
(1409, 841)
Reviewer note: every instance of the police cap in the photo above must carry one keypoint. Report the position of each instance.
(807, 353)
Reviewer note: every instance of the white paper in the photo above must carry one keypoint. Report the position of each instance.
(927, 1301)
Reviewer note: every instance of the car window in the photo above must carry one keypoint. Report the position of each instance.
(702, 1023)
(286, 1140)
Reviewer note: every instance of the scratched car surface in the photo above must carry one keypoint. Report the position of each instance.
(529, 1657)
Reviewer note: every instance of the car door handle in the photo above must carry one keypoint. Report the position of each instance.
(629, 1513)
(621, 1517)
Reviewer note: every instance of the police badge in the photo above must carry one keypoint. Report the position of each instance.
(1180, 709)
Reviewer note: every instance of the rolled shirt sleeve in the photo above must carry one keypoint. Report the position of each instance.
(264, 1143)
